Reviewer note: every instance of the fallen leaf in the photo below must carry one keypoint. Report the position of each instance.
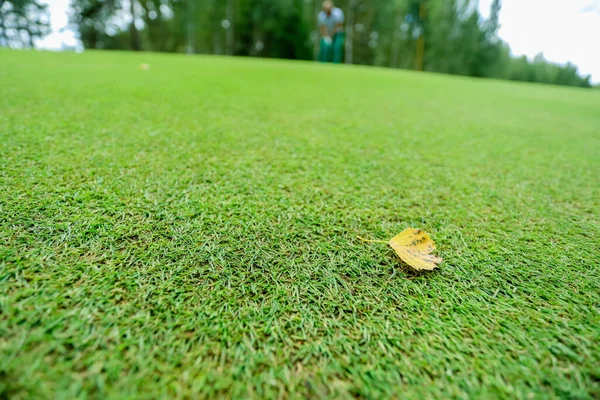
(415, 247)
(145, 67)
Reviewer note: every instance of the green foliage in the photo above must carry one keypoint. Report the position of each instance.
(540, 70)
(164, 30)
(450, 39)
(379, 32)
(22, 21)
(269, 28)
(94, 20)
(188, 231)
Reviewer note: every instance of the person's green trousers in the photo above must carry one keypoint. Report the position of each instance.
(334, 51)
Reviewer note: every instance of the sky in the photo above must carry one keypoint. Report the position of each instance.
(564, 30)
(59, 19)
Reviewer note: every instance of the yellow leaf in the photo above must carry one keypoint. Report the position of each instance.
(415, 248)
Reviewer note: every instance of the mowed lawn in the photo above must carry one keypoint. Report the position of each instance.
(190, 231)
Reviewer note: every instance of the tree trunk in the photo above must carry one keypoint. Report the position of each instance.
(93, 39)
(420, 56)
(229, 35)
(317, 30)
(395, 45)
(135, 35)
(350, 31)
(30, 38)
(420, 53)
(191, 30)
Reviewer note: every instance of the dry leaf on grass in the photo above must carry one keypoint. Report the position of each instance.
(415, 247)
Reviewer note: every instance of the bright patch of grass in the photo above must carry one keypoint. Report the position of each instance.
(190, 230)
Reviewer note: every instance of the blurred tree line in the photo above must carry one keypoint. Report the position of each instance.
(22, 22)
(447, 36)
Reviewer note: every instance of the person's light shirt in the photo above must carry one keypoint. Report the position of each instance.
(330, 21)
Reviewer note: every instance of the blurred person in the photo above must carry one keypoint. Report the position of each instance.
(331, 26)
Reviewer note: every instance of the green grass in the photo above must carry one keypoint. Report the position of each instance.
(190, 231)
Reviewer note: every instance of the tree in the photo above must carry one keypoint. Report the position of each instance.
(93, 19)
(272, 28)
(22, 21)
(493, 23)
(99, 23)
(489, 49)
(136, 44)
(448, 40)
(350, 16)
(230, 27)
(451, 35)
(396, 32)
(164, 29)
